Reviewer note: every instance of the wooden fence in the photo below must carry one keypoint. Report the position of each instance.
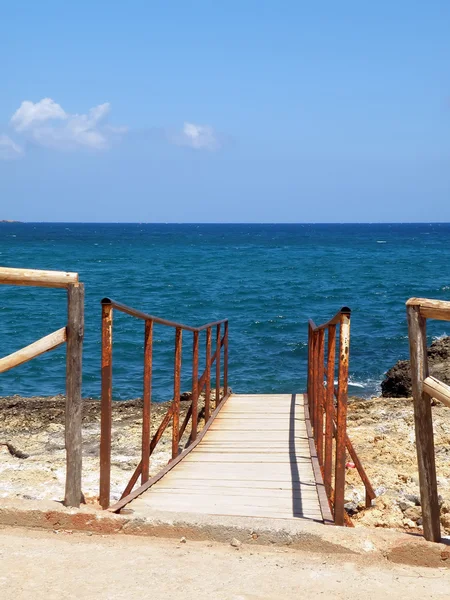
(424, 388)
(73, 335)
(173, 414)
(329, 421)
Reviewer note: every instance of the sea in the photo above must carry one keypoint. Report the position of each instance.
(267, 279)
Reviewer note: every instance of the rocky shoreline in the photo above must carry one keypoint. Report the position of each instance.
(32, 454)
(32, 450)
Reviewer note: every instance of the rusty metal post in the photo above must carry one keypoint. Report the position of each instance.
(225, 358)
(106, 404)
(147, 400)
(218, 365)
(341, 433)
(329, 408)
(310, 370)
(194, 386)
(320, 394)
(208, 374)
(176, 392)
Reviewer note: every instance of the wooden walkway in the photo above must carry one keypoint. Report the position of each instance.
(254, 461)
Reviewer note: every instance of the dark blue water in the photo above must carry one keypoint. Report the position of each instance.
(267, 279)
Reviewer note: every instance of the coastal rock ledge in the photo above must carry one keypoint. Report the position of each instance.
(397, 382)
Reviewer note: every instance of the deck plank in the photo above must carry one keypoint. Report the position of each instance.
(254, 461)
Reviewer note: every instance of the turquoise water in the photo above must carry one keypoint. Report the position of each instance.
(267, 279)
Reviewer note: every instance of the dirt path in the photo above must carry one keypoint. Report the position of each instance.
(43, 565)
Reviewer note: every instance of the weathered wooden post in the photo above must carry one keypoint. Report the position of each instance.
(75, 334)
(423, 421)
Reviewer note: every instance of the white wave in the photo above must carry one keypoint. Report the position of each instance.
(381, 241)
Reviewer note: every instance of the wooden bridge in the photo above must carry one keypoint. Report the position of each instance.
(253, 461)
(279, 456)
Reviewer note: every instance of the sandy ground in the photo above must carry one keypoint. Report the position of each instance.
(45, 565)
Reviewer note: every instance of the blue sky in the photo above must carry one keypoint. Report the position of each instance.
(184, 111)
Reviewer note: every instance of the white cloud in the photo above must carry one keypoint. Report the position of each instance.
(200, 137)
(9, 149)
(48, 124)
(28, 114)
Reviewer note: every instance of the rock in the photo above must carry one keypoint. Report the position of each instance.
(414, 498)
(351, 508)
(183, 540)
(404, 505)
(235, 543)
(414, 513)
(397, 382)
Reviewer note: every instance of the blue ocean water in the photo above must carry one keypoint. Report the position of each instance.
(267, 279)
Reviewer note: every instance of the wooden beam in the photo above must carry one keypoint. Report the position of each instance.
(49, 342)
(52, 279)
(74, 403)
(431, 309)
(437, 389)
(423, 422)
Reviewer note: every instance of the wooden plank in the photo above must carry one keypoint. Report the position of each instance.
(45, 344)
(437, 389)
(431, 309)
(165, 504)
(39, 278)
(423, 421)
(288, 458)
(173, 479)
(236, 491)
(74, 402)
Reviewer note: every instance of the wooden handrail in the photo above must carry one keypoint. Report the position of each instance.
(72, 335)
(431, 309)
(437, 389)
(423, 387)
(45, 344)
(38, 278)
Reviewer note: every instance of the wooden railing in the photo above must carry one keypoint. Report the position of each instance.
(72, 334)
(329, 421)
(172, 416)
(424, 388)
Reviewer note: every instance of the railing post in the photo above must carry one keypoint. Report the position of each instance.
(423, 424)
(106, 405)
(147, 400)
(225, 358)
(176, 392)
(341, 425)
(218, 365)
(194, 386)
(310, 371)
(208, 374)
(74, 403)
(320, 394)
(329, 408)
